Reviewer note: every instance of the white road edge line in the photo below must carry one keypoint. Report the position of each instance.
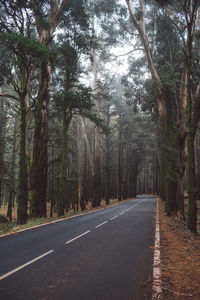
(101, 224)
(77, 237)
(114, 217)
(25, 265)
(157, 290)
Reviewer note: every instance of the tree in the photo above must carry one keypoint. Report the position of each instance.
(47, 20)
(171, 114)
(3, 121)
(21, 52)
(193, 110)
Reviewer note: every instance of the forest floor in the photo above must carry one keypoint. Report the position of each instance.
(13, 226)
(180, 257)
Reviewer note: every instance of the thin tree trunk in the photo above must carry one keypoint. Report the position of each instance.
(107, 167)
(22, 195)
(2, 145)
(52, 185)
(62, 203)
(81, 196)
(97, 148)
(120, 170)
(191, 182)
(12, 171)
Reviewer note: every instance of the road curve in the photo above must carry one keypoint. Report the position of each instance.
(106, 255)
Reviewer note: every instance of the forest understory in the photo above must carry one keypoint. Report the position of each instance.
(180, 257)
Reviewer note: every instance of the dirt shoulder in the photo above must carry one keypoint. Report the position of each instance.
(180, 259)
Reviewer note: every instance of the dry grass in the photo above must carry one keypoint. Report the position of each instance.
(180, 259)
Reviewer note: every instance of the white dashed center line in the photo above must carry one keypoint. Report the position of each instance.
(101, 224)
(77, 237)
(25, 265)
(114, 217)
(68, 242)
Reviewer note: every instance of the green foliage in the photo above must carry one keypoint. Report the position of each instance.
(5, 65)
(23, 45)
(167, 43)
(170, 78)
(79, 102)
(105, 7)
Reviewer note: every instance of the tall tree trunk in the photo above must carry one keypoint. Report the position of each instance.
(197, 155)
(97, 172)
(193, 110)
(22, 195)
(62, 203)
(134, 173)
(191, 181)
(171, 123)
(52, 207)
(2, 145)
(81, 197)
(12, 171)
(39, 165)
(107, 169)
(97, 147)
(120, 164)
(172, 164)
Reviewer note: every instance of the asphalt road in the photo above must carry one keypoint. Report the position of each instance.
(105, 255)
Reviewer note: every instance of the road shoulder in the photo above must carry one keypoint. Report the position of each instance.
(180, 259)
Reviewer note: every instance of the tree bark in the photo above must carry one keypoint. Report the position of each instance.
(12, 171)
(171, 123)
(39, 166)
(193, 110)
(2, 146)
(107, 163)
(62, 203)
(22, 195)
(191, 182)
(120, 156)
(97, 147)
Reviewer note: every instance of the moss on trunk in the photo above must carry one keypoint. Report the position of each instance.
(39, 165)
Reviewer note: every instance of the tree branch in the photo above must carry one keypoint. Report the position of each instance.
(9, 96)
(57, 13)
